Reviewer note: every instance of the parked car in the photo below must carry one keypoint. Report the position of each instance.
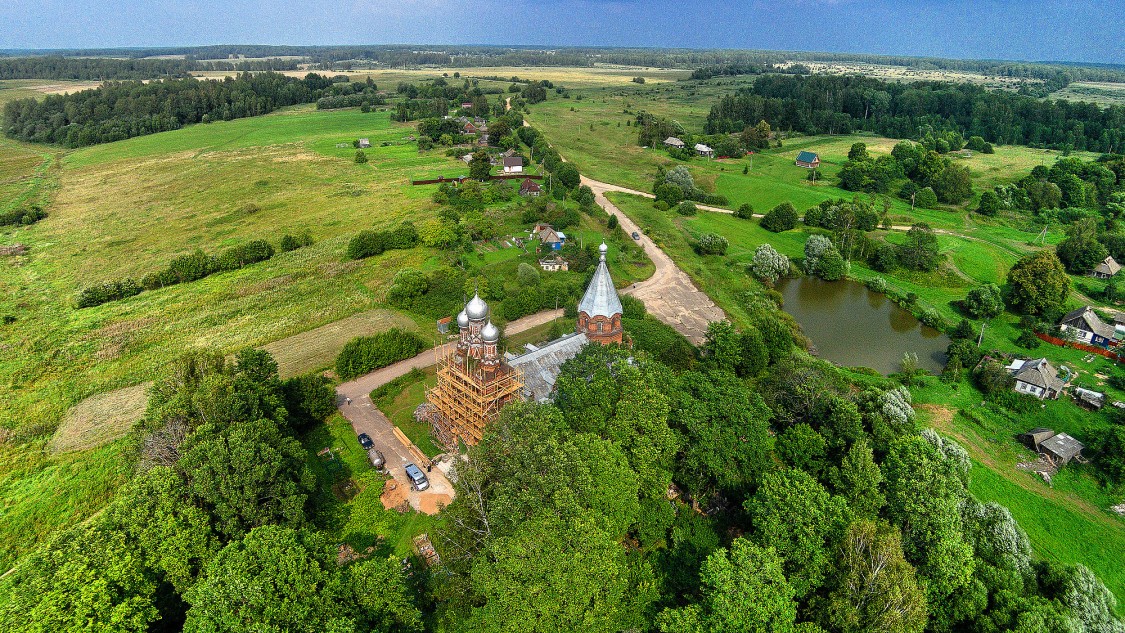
(636, 235)
(417, 478)
(377, 459)
(365, 442)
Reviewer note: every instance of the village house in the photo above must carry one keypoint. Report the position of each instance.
(529, 188)
(467, 158)
(554, 264)
(1088, 327)
(1037, 378)
(672, 141)
(704, 150)
(808, 160)
(466, 104)
(548, 236)
(364, 143)
(1106, 269)
(513, 165)
(470, 128)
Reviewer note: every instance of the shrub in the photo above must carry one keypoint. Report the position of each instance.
(293, 242)
(360, 157)
(832, 266)
(368, 353)
(984, 302)
(367, 244)
(661, 341)
(109, 291)
(22, 216)
(686, 208)
(195, 265)
(660, 205)
(877, 284)
(768, 264)
(632, 307)
(926, 198)
(527, 275)
(744, 211)
(712, 244)
(238, 256)
(783, 217)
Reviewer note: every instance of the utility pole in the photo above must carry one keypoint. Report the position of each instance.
(980, 339)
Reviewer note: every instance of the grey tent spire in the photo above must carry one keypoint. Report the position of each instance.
(601, 297)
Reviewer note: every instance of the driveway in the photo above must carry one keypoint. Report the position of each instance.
(353, 398)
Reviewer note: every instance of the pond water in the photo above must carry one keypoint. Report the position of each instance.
(855, 327)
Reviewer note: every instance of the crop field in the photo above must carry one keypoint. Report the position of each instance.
(1101, 93)
(317, 348)
(908, 74)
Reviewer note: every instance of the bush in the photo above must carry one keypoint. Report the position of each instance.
(768, 264)
(368, 353)
(877, 284)
(360, 157)
(632, 307)
(744, 211)
(783, 217)
(660, 205)
(367, 244)
(238, 256)
(109, 291)
(926, 198)
(712, 244)
(293, 242)
(22, 216)
(832, 266)
(686, 208)
(660, 341)
(309, 400)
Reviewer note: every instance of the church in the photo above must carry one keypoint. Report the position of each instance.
(475, 381)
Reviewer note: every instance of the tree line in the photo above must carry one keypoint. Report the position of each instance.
(120, 110)
(822, 104)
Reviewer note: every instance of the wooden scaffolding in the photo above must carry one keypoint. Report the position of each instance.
(469, 396)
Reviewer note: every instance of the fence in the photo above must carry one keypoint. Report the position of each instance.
(460, 179)
(1100, 351)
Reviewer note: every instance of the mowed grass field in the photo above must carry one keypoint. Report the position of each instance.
(125, 209)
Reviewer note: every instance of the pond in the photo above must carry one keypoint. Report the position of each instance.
(855, 327)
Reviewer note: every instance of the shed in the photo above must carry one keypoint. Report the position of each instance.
(1089, 398)
(672, 141)
(704, 150)
(1106, 269)
(1033, 438)
(808, 160)
(364, 143)
(443, 325)
(1061, 448)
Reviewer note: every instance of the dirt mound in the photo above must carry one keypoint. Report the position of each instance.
(432, 504)
(394, 496)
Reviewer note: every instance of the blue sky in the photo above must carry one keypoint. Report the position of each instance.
(1081, 30)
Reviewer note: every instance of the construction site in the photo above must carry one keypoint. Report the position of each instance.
(475, 381)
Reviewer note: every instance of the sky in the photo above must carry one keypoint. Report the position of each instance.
(1033, 30)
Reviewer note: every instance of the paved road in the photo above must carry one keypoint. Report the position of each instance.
(353, 398)
(669, 294)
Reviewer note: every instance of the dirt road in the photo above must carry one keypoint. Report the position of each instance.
(669, 294)
(353, 398)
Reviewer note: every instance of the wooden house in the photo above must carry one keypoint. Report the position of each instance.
(1033, 438)
(1061, 448)
(672, 141)
(513, 165)
(1036, 377)
(808, 160)
(529, 188)
(554, 264)
(704, 150)
(1088, 327)
(1106, 269)
(364, 143)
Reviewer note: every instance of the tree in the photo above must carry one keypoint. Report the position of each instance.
(480, 165)
(437, 234)
(277, 578)
(744, 211)
(743, 589)
(953, 185)
(247, 474)
(527, 275)
(990, 204)
(783, 217)
(859, 481)
(801, 447)
(832, 266)
(926, 198)
(360, 157)
(768, 264)
(793, 514)
(984, 302)
(1081, 250)
(858, 153)
(757, 136)
(1037, 284)
(815, 248)
(920, 252)
(680, 177)
(567, 175)
(873, 588)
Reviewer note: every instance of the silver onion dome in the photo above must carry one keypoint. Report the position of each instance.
(462, 319)
(490, 333)
(477, 310)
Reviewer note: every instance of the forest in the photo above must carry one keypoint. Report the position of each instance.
(821, 104)
(121, 110)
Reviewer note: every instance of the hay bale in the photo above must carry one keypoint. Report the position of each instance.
(100, 419)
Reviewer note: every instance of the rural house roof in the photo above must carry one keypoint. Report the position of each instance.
(1085, 318)
(513, 161)
(1040, 373)
(1095, 399)
(672, 140)
(1062, 446)
(601, 297)
(549, 235)
(700, 147)
(529, 186)
(1108, 267)
(807, 157)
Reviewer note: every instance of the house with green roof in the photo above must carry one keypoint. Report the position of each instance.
(808, 160)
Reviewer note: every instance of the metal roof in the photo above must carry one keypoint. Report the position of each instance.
(540, 367)
(1040, 373)
(1085, 318)
(601, 297)
(1061, 445)
(806, 157)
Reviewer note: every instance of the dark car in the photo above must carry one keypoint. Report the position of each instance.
(636, 235)
(365, 441)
